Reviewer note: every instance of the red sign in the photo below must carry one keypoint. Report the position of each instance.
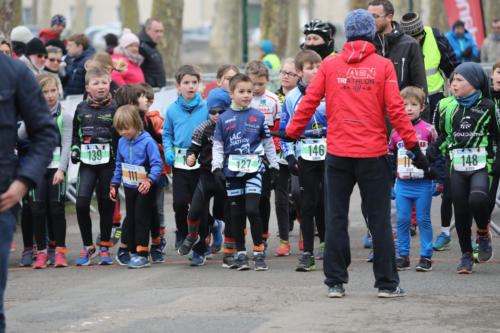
(469, 12)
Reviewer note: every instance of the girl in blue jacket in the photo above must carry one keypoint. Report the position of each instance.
(138, 164)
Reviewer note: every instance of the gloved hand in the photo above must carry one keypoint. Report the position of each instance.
(170, 158)
(438, 189)
(75, 156)
(430, 173)
(220, 178)
(418, 159)
(113, 192)
(283, 136)
(432, 152)
(293, 165)
(274, 175)
(145, 186)
(467, 52)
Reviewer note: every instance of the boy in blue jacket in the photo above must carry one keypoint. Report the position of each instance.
(138, 164)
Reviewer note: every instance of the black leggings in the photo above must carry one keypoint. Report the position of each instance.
(471, 199)
(311, 177)
(98, 177)
(446, 199)
(183, 185)
(139, 209)
(27, 222)
(47, 208)
(241, 207)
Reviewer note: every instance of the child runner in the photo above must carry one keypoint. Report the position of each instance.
(307, 159)
(47, 199)
(241, 134)
(218, 101)
(470, 134)
(181, 118)
(138, 164)
(413, 186)
(94, 145)
(267, 103)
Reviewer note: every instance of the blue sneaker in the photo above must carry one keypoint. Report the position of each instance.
(86, 255)
(337, 291)
(442, 242)
(208, 253)
(122, 257)
(104, 258)
(370, 256)
(139, 262)
(198, 260)
(163, 244)
(217, 236)
(27, 258)
(368, 242)
(156, 254)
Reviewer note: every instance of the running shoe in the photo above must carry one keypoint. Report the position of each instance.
(260, 264)
(402, 263)
(208, 252)
(104, 258)
(198, 259)
(368, 242)
(387, 293)
(369, 258)
(217, 236)
(116, 233)
(41, 260)
(228, 261)
(321, 252)
(442, 242)
(178, 240)
(156, 254)
(27, 258)
(484, 249)
(283, 249)
(242, 262)
(413, 230)
(122, 257)
(163, 243)
(60, 260)
(138, 261)
(86, 255)
(424, 265)
(336, 291)
(188, 244)
(306, 263)
(466, 264)
(51, 253)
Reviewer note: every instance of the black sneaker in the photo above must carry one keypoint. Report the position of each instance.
(402, 263)
(242, 262)
(156, 254)
(260, 264)
(306, 263)
(188, 244)
(387, 293)
(228, 261)
(484, 249)
(413, 229)
(336, 291)
(424, 265)
(466, 264)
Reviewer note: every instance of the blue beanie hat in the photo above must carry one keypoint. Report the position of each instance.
(359, 23)
(58, 19)
(218, 98)
(267, 46)
(475, 75)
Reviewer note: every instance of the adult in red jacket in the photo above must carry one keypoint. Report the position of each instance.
(359, 86)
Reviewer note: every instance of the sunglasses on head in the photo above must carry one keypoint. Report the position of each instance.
(214, 112)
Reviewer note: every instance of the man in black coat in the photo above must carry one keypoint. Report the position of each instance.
(20, 98)
(152, 67)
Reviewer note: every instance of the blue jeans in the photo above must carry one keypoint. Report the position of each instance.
(7, 228)
(418, 191)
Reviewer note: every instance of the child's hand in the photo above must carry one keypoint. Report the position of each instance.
(145, 186)
(113, 192)
(191, 160)
(160, 131)
(58, 177)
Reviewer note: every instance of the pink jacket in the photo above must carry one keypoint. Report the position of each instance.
(132, 75)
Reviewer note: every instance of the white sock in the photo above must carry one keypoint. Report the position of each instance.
(446, 230)
(256, 253)
(242, 252)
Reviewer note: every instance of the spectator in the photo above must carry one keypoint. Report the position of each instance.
(152, 67)
(128, 50)
(319, 38)
(57, 25)
(24, 101)
(462, 42)
(5, 47)
(35, 56)
(53, 65)
(490, 51)
(57, 43)
(19, 37)
(267, 55)
(79, 51)
(111, 42)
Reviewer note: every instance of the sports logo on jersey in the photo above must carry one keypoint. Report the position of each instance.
(316, 125)
(252, 119)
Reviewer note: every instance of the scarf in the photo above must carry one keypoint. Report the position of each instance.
(495, 36)
(189, 107)
(136, 58)
(98, 104)
(469, 100)
(55, 111)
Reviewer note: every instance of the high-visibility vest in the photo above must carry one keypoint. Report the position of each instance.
(273, 60)
(432, 58)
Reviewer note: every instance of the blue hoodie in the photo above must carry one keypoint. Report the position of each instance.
(459, 44)
(141, 151)
(181, 119)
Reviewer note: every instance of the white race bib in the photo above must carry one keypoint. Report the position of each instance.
(469, 159)
(180, 160)
(243, 163)
(95, 154)
(406, 169)
(133, 174)
(313, 149)
(56, 158)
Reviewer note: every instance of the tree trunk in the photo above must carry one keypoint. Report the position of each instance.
(294, 31)
(219, 33)
(7, 13)
(274, 24)
(34, 12)
(357, 4)
(170, 13)
(80, 16)
(18, 15)
(129, 14)
(437, 17)
(234, 27)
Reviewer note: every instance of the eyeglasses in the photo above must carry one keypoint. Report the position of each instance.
(54, 60)
(376, 16)
(214, 112)
(289, 74)
(41, 56)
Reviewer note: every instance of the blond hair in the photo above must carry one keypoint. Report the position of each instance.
(45, 79)
(96, 72)
(127, 116)
(104, 60)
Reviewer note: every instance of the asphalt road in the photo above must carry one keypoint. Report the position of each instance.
(174, 297)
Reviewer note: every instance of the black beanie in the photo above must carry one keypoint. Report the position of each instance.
(411, 24)
(35, 46)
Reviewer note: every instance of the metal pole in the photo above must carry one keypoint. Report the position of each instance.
(410, 7)
(244, 31)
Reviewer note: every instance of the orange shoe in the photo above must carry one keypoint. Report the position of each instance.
(283, 249)
(301, 242)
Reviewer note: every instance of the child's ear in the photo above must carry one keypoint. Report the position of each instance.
(177, 86)
(231, 94)
(86, 88)
(299, 72)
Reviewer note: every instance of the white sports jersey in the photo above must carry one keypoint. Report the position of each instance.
(268, 103)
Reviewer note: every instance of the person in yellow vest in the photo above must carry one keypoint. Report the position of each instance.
(439, 58)
(267, 55)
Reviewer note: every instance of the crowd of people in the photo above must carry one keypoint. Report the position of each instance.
(402, 109)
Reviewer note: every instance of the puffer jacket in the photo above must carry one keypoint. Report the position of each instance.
(152, 67)
(74, 81)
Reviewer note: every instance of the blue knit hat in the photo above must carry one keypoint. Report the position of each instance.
(58, 19)
(475, 75)
(267, 46)
(218, 98)
(359, 23)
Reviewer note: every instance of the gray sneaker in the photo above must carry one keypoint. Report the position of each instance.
(387, 293)
(228, 261)
(242, 262)
(337, 291)
(260, 264)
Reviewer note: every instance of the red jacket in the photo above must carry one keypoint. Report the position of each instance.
(132, 75)
(359, 86)
(47, 34)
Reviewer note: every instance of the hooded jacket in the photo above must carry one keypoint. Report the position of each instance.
(359, 86)
(459, 44)
(152, 67)
(74, 81)
(132, 75)
(406, 55)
